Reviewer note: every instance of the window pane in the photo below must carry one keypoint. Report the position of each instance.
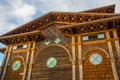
(93, 37)
(101, 36)
(57, 41)
(47, 42)
(85, 38)
(25, 46)
(15, 47)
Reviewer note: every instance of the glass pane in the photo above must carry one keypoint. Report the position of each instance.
(14, 47)
(51, 62)
(25, 46)
(16, 65)
(95, 59)
(101, 36)
(85, 38)
(47, 42)
(57, 41)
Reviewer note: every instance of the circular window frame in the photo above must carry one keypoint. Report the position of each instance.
(51, 62)
(15, 69)
(93, 59)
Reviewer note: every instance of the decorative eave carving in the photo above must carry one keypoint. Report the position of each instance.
(62, 17)
(93, 26)
(24, 37)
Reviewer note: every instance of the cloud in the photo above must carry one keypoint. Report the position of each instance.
(22, 10)
(15, 13)
(71, 5)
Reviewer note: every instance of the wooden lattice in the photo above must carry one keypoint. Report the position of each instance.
(116, 56)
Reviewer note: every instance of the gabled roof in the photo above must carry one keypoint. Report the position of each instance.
(29, 29)
(64, 18)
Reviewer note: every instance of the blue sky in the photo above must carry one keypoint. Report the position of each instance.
(14, 13)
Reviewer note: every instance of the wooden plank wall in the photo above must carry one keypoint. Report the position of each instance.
(62, 71)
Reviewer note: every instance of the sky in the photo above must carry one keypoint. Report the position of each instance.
(14, 13)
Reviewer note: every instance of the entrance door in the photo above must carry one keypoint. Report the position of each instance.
(15, 69)
(97, 66)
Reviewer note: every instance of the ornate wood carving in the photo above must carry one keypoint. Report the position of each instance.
(93, 26)
(24, 37)
(117, 58)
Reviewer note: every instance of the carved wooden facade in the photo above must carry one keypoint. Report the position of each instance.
(64, 46)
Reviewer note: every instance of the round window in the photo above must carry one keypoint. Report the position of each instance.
(16, 65)
(51, 62)
(95, 59)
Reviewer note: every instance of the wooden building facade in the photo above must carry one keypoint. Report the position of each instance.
(64, 46)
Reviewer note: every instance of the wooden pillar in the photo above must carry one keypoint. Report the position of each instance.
(116, 42)
(111, 55)
(9, 51)
(31, 60)
(80, 58)
(73, 59)
(26, 62)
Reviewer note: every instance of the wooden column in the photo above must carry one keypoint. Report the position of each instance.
(111, 55)
(73, 59)
(80, 58)
(26, 62)
(116, 42)
(31, 60)
(9, 51)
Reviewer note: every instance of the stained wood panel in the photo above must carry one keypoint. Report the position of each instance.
(12, 74)
(101, 71)
(62, 71)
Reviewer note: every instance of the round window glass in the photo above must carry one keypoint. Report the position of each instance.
(51, 62)
(95, 59)
(16, 65)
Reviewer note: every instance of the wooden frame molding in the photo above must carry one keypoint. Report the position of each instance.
(31, 59)
(80, 56)
(26, 62)
(73, 59)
